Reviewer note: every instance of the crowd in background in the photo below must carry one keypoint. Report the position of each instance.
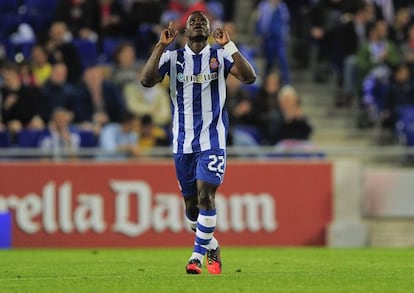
(70, 77)
(369, 45)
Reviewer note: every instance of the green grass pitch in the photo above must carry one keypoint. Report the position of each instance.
(244, 270)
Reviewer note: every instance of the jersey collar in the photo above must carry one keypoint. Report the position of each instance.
(191, 52)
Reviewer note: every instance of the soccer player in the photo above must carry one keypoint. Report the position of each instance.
(200, 123)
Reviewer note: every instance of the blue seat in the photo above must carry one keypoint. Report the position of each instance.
(24, 48)
(405, 125)
(144, 40)
(39, 22)
(4, 139)
(88, 52)
(87, 138)
(8, 23)
(28, 138)
(109, 45)
(40, 6)
(8, 6)
(244, 135)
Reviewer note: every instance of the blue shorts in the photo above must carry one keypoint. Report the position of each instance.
(207, 166)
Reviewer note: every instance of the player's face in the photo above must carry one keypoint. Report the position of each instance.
(198, 27)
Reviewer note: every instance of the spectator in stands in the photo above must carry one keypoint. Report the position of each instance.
(26, 75)
(120, 137)
(20, 103)
(267, 107)
(378, 51)
(399, 28)
(41, 67)
(244, 130)
(57, 93)
(112, 18)
(386, 9)
(153, 101)
(125, 67)
(295, 125)
(151, 135)
(401, 93)
(325, 17)
(60, 137)
(374, 11)
(80, 16)
(98, 101)
(299, 44)
(273, 26)
(61, 50)
(350, 37)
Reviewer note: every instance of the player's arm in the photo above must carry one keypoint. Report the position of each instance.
(150, 74)
(241, 68)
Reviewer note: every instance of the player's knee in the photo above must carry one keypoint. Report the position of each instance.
(206, 195)
(206, 200)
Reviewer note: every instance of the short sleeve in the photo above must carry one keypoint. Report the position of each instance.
(228, 62)
(164, 65)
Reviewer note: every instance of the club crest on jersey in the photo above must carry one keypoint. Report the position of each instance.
(214, 63)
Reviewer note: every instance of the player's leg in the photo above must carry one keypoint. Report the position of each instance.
(191, 215)
(185, 167)
(209, 174)
(191, 210)
(206, 224)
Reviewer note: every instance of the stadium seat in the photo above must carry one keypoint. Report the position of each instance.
(87, 138)
(28, 138)
(145, 38)
(109, 45)
(88, 52)
(405, 125)
(246, 135)
(4, 139)
(40, 23)
(13, 49)
(8, 23)
(8, 6)
(40, 6)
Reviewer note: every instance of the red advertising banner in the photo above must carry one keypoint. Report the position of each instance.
(90, 204)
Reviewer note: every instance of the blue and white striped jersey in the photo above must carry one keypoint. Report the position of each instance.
(198, 94)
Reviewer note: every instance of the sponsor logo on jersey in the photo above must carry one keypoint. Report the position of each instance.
(199, 78)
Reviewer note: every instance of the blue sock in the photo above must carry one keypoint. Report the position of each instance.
(206, 223)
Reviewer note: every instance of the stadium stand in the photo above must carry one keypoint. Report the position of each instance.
(332, 123)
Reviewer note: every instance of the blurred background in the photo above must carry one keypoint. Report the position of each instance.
(335, 87)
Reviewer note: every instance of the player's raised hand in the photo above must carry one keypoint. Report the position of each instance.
(221, 36)
(168, 35)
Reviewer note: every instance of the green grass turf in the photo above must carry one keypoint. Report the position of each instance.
(245, 270)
